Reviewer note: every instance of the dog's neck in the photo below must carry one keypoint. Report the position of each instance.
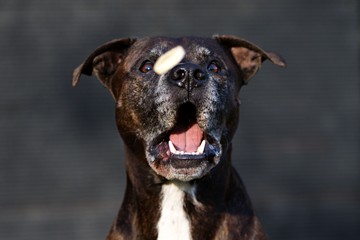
(154, 207)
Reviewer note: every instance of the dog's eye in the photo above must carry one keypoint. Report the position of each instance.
(214, 67)
(147, 66)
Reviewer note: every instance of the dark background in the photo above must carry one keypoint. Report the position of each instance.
(297, 146)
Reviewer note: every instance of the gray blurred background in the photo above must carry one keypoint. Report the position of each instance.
(297, 146)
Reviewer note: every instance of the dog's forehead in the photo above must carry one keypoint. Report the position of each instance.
(193, 46)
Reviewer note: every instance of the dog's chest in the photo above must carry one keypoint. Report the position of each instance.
(174, 222)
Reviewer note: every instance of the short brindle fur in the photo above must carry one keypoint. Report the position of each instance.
(196, 101)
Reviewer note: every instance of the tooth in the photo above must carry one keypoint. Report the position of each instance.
(172, 147)
(201, 148)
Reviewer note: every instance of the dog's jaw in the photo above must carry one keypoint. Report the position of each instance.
(183, 167)
(186, 151)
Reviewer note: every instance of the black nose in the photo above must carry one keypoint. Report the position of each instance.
(188, 75)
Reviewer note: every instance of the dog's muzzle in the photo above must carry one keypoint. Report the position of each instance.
(190, 146)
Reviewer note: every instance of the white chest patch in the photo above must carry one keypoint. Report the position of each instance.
(173, 223)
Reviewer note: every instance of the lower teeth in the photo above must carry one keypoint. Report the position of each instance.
(200, 150)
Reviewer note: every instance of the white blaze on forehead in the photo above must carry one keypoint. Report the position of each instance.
(169, 60)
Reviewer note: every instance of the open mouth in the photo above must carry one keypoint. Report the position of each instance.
(186, 145)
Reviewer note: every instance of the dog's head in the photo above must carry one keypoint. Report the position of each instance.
(182, 121)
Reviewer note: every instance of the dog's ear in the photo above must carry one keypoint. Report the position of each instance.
(247, 55)
(104, 61)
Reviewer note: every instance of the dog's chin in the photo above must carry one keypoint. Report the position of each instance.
(178, 165)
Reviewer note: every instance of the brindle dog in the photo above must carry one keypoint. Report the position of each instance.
(177, 129)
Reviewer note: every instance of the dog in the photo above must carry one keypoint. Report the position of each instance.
(177, 129)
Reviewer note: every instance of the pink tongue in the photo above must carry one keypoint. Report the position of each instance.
(187, 139)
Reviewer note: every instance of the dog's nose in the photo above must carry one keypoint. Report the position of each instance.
(188, 75)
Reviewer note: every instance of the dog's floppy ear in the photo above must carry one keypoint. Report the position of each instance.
(247, 55)
(104, 61)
